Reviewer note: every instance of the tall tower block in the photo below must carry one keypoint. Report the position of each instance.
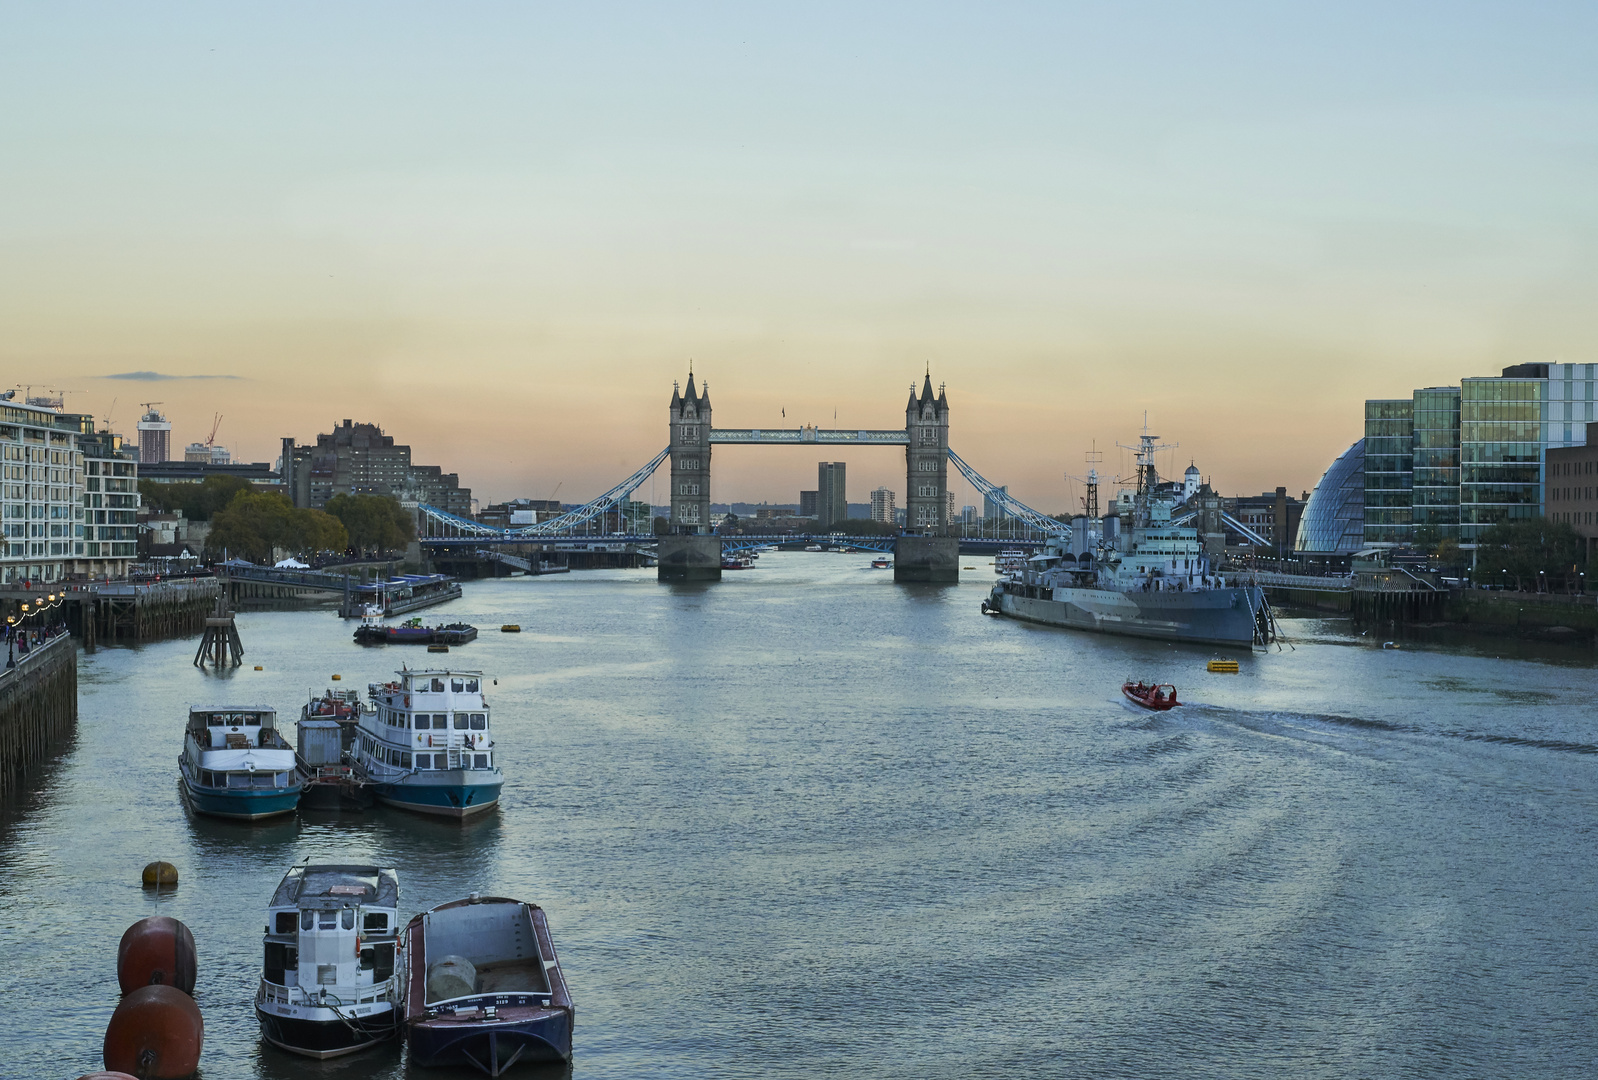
(926, 458)
(690, 459)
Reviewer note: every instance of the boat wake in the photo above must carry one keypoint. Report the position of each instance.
(1361, 723)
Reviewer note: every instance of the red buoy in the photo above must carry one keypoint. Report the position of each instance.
(157, 950)
(156, 1033)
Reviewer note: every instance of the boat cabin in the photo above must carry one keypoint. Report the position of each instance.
(237, 746)
(429, 720)
(331, 931)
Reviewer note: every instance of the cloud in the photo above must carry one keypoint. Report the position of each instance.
(157, 376)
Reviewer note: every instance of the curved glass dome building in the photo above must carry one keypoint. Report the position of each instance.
(1334, 517)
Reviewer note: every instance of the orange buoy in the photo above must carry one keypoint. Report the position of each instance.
(160, 873)
(157, 950)
(156, 1033)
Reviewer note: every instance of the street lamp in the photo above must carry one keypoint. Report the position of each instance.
(11, 642)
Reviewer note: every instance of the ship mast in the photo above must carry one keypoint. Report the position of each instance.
(1147, 477)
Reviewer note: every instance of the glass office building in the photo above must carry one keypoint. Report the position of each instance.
(1389, 470)
(1460, 459)
(1435, 488)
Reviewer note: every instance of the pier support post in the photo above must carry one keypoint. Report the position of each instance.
(689, 558)
(933, 560)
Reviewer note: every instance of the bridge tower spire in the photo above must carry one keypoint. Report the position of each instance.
(926, 456)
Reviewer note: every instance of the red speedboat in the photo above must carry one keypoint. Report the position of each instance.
(1159, 696)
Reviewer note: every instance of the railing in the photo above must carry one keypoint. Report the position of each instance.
(17, 662)
(1306, 582)
(183, 589)
(808, 435)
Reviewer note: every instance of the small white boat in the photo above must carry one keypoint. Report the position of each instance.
(330, 985)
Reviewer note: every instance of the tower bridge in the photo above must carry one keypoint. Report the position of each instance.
(926, 550)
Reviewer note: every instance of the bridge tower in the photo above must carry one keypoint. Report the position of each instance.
(688, 552)
(926, 553)
(926, 461)
(690, 459)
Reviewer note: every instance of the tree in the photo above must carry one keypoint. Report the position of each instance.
(1526, 548)
(374, 522)
(257, 522)
(197, 502)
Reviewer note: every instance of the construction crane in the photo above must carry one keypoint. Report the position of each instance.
(211, 440)
(109, 413)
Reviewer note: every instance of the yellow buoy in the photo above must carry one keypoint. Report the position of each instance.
(510, 628)
(160, 873)
(336, 678)
(1223, 667)
(259, 668)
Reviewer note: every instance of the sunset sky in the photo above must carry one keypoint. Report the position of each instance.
(502, 230)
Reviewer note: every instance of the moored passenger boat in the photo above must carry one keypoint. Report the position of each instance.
(483, 987)
(235, 764)
(427, 745)
(329, 985)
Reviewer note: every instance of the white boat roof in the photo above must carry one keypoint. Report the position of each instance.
(209, 709)
(321, 885)
(430, 672)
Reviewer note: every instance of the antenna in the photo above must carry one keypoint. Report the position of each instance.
(1090, 502)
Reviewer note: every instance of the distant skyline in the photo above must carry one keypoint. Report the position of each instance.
(501, 231)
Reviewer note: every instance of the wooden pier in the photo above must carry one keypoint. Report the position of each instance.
(117, 612)
(38, 705)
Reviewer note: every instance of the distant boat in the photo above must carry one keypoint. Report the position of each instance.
(483, 987)
(235, 764)
(882, 563)
(1157, 696)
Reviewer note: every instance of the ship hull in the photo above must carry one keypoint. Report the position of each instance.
(242, 804)
(327, 1038)
(446, 799)
(1225, 617)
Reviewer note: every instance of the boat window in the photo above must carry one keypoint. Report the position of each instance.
(238, 779)
(206, 779)
(347, 918)
(471, 686)
(277, 960)
(368, 958)
(480, 761)
(307, 920)
(405, 759)
(384, 967)
(213, 721)
(461, 720)
(401, 720)
(440, 721)
(252, 720)
(374, 920)
(285, 922)
(479, 722)
(327, 920)
(456, 686)
(438, 686)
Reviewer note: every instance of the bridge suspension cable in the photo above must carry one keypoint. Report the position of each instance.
(1007, 502)
(555, 526)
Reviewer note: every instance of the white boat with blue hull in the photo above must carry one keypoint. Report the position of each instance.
(235, 764)
(428, 745)
(330, 984)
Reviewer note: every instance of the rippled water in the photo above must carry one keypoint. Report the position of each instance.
(807, 822)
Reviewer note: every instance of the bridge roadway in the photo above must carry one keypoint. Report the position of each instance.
(620, 542)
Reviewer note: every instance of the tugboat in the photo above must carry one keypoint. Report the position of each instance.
(484, 987)
(1156, 696)
(235, 764)
(329, 985)
(427, 744)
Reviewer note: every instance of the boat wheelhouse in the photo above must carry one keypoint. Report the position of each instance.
(235, 764)
(483, 986)
(329, 984)
(428, 746)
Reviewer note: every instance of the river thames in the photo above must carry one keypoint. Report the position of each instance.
(809, 823)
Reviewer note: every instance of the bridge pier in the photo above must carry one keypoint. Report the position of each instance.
(930, 560)
(689, 558)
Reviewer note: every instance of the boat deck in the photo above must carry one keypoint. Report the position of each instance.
(513, 977)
